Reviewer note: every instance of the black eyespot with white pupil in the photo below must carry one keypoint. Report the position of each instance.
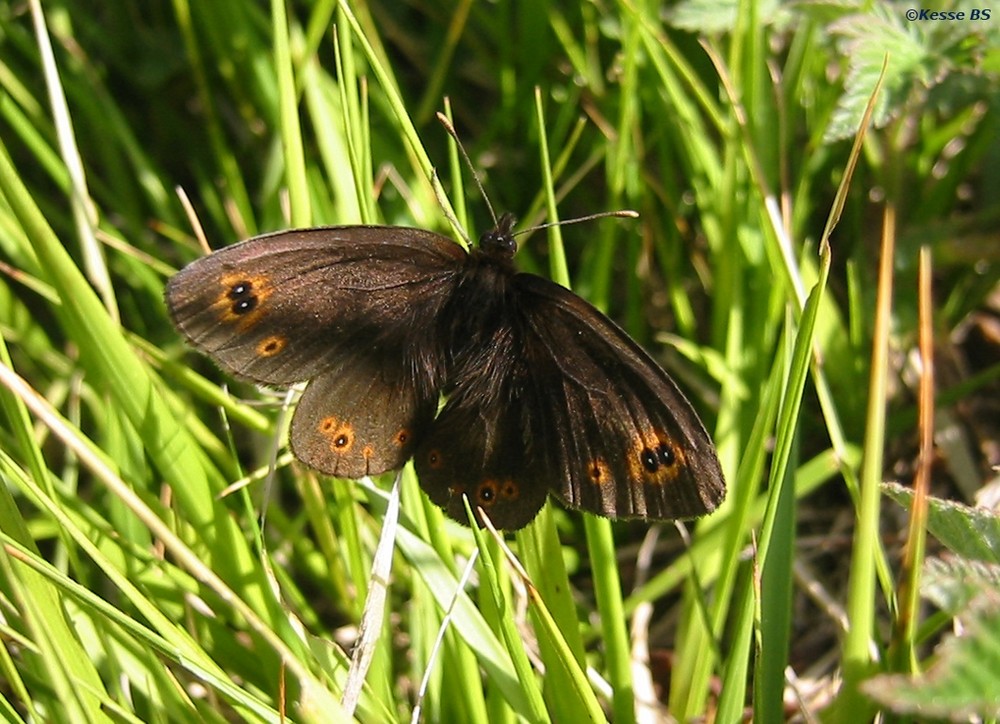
(243, 297)
(654, 458)
(435, 461)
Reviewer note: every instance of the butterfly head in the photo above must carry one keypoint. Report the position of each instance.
(499, 241)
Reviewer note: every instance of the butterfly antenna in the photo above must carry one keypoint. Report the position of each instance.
(443, 119)
(623, 213)
(468, 162)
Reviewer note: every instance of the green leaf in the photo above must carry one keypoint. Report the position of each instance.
(865, 40)
(952, 582)
(970, 532)
(962, 683)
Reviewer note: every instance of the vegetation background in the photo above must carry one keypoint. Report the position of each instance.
(131, 590)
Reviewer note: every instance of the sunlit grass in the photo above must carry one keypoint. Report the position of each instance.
(129, 586)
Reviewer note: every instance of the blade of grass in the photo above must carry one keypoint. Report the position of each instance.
(578, 703)
(83, 214)
(859, 656)
(504, 618)
(172, 642)
(539, 544)
(189, 560)
(290, 130)
(235, 188)
(113, 361)
(865, 559)
(784, 443)
(391, 90)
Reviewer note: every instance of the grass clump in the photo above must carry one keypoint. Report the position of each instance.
(131, 589)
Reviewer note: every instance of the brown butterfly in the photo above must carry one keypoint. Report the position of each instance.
(544, 394)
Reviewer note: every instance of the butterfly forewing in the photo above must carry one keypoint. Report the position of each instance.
(282, 308)
(623, 441)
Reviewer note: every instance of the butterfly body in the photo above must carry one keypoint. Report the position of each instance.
(543, 392)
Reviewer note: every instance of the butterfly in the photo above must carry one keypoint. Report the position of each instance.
(543, 393)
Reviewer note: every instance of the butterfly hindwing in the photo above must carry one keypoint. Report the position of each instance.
(480, 452)
(620, 438)
(361, 417)
(282, 308)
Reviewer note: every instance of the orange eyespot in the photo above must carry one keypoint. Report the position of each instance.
(655, 458)
(339, 432)
(242, 297)
(435, 460)
(271, 346)
(486, 493)
(598, 471)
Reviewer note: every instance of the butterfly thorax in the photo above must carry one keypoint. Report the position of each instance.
(481, 328)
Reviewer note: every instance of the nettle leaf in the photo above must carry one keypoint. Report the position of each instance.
(962, 682)
(929, 60)
(865, 40)
(968, 532)
(951, 582)
(710, 17)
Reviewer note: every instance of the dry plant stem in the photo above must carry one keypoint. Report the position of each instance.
(374, 613)
(903, 655)
(439, 640)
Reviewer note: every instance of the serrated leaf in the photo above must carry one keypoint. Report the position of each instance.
(824, 12)
(865, 40)
(962, 683)
(969, 532)
(952, 582)
(706, 16)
